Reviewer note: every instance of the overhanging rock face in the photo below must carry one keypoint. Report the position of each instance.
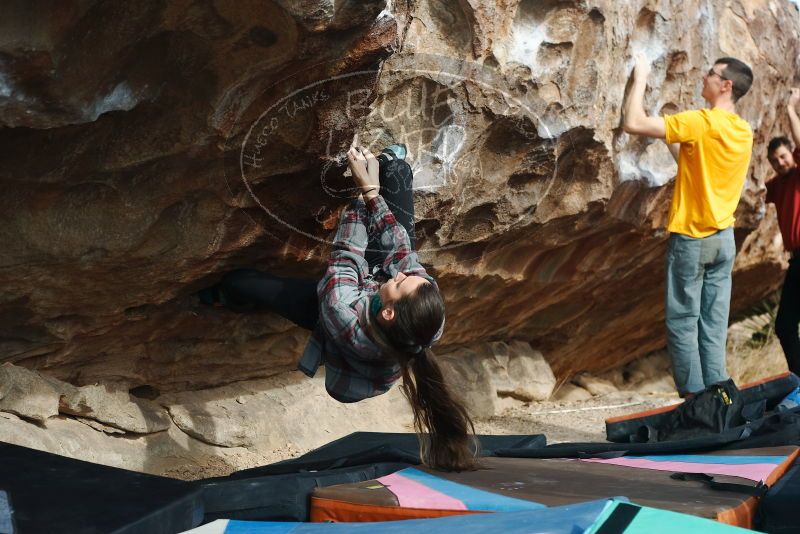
(150, 147)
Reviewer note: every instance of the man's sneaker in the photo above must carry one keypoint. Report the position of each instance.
(393, 152)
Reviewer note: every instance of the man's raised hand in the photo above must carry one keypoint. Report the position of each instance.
(794, 120)
(641, 67)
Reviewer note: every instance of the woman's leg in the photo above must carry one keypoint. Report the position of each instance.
(249, 290)
(397, 183)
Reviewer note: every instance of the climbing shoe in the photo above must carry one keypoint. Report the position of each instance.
(393, 152)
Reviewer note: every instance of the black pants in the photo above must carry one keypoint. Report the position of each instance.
(788, 318)
(249, 290)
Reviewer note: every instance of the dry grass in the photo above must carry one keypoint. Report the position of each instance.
(754, 351)
(749, 361)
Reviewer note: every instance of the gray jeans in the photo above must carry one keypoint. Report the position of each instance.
(698, 299)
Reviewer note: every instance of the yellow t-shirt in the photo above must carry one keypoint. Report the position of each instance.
(715, 153)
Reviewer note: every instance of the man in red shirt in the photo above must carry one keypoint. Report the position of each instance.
(783, 190)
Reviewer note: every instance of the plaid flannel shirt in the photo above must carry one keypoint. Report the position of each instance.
(355, 368)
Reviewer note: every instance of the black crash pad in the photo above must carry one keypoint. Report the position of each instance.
(51, 493)
(281, 491)
(361, 448)
(777, 513)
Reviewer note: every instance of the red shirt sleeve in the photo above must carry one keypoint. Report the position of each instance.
(771, 191)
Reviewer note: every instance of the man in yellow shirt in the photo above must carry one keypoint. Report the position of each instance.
(712, 147)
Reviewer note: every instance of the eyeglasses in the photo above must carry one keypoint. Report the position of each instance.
(712, 72)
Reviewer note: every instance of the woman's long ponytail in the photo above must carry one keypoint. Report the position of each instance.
(445, 430)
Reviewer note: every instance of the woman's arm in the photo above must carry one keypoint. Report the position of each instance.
(346, 264)
(340, 286)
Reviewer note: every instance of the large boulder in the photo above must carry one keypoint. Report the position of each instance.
(268, 414)
(149, 147)
(486, 375)
(115, 408)
(215, 431)
(26, 394)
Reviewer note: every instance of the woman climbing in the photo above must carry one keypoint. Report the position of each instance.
(375, 313)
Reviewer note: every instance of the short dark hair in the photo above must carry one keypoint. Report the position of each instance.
(777, 142)
(737, 72)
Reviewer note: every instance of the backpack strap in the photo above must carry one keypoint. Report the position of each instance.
(756, 491)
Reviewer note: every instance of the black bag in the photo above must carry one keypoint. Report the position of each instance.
(715, 409)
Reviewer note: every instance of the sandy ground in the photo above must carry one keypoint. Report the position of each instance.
(572, 421)
(585, 420)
